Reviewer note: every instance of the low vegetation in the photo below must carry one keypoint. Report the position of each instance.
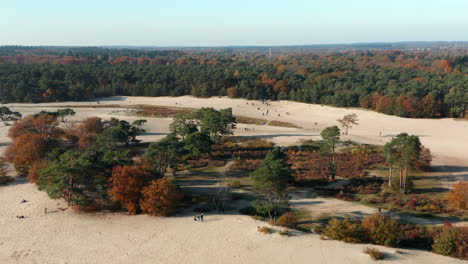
(382, 230)
(264, 229)
(374, 253)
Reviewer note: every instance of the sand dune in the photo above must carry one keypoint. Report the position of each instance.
(69, 237)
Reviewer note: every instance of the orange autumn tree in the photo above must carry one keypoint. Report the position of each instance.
(160, 198)
(126, 185)
(458, 196)
(46, 126)
(87, 131)
(26, 150)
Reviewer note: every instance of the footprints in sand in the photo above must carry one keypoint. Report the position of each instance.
(22, 254)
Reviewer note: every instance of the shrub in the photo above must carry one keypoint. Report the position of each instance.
(284, 232)
(415, 236)
(374, 253)
(235, 184)
(160, 198)
(344, 230)
(458, 197)
(381, 230)
(264, 229)
(444, 242)
(288, 219)
(461, 243)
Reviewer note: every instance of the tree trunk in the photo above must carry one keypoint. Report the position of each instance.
(401, 179)
(390, 177)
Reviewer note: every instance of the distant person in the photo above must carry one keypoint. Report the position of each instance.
(380, 210)
(24, 201)
(201, 217)
(45, 210)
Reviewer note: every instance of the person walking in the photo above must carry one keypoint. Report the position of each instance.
(201, 217)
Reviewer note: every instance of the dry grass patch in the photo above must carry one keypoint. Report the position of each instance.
(264, 229)
(374, 253)
(282, 124)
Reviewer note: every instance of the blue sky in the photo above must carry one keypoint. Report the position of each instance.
(240, 22)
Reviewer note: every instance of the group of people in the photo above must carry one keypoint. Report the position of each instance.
(198, 218)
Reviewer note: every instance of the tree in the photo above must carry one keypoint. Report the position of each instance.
(331, 138)
(119, 132)
(215, 123)
(71, 177)
(348, 121)
(26, 150)
(7, 115)
(197, 144)
(182, 126)
(270, 181)
(62, 113)
(86, 133)
(425, 159)
(46, 126)
(403, 150)
(458, 196)
(160, 198)
(163, 154)
(126, 184)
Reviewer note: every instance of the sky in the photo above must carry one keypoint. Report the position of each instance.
(223, 23)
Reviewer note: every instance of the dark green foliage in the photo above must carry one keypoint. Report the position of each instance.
(197, 144)
(182, 126)
(119, 132)
(270, 181)
(7, 115)
(164, 153)
(331, 138)
(69, 177)
(402, 152)
(341, 79)
(216, 124)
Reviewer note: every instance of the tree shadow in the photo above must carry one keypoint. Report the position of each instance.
(442, 168)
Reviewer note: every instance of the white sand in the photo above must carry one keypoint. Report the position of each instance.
(69, 237)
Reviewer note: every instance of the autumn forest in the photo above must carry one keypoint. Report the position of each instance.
(410, 83)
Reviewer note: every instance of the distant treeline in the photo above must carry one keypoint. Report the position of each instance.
(408, 84)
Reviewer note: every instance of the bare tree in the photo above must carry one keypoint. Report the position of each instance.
(348, 121)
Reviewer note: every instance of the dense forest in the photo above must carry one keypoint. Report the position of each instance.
(410, 83)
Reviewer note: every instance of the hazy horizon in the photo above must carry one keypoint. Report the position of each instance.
(209, 23)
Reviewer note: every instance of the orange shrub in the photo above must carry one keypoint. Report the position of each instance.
(288, 219)
(160, 198)
(458, 196)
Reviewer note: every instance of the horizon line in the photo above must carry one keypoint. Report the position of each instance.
(248, 45)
